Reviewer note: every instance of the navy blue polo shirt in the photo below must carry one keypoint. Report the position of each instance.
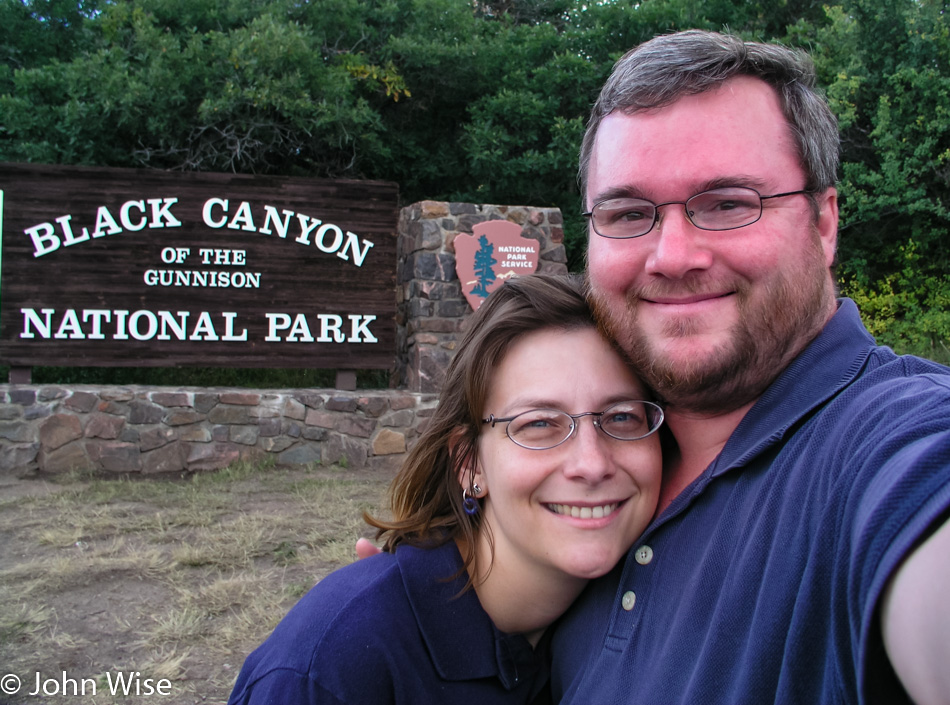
(761, 582)
(393, 628)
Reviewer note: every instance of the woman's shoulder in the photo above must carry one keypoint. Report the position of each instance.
(379, 585)
(394, 628)
(349, 599)
(350, 635)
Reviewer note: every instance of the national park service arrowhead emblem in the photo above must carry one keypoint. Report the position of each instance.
(495, 251)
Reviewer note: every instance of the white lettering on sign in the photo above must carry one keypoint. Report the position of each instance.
(282, 327)
(327, 237)
(123, 325)
(144, 325)
(46, 239)
(516, 256)
(175, 255)
(206, 279)
(216, 213)
(233, 257)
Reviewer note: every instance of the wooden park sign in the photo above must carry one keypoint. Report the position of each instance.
(142, 268)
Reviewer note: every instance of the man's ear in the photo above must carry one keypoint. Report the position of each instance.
(469, 470)
(827, 225)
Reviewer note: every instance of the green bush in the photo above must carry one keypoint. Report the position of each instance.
(908, 310)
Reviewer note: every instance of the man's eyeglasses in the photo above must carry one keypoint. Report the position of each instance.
(540, 429)
(719, 209)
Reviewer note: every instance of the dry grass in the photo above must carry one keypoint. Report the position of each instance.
(173, 579)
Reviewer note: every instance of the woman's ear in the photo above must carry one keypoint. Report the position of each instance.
(469, 469)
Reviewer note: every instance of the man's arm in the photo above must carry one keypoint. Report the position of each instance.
(365, 548)
(916, 620)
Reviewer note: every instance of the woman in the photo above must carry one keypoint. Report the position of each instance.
(536, 473)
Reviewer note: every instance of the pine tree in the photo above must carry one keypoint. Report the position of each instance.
(483, 267)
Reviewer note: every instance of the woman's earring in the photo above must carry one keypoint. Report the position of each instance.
(468, 503)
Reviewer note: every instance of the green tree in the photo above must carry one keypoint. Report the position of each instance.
(886, 68)
(484, 274)
(35, 32)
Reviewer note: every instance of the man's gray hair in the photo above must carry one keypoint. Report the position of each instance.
(666, 68)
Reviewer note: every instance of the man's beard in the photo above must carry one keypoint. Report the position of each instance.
(772, 328)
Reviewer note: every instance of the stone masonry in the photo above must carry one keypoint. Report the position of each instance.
(140, 430)
(431, 311)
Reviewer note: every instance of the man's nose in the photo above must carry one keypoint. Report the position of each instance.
(679, 247)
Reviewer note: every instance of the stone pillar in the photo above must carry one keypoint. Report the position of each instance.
(431, 311)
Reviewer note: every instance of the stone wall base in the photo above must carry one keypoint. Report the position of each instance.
(153, 430)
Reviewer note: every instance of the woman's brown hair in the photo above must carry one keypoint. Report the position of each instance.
(426, 497)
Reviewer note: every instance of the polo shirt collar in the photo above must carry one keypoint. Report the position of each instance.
(476, 649)
(827, 366)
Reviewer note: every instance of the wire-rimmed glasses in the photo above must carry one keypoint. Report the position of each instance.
(541, 429)
(725, 208)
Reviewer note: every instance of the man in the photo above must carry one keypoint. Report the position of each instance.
(801, 551)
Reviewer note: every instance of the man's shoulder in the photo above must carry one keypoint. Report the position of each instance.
(882, 444)
(903, 384)
(892, 402)
(848, 334)
(883, 357)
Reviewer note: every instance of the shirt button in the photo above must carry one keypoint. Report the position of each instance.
(644, 555)
(628, 600)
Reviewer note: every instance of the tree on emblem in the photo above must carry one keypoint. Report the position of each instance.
(483, 267)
